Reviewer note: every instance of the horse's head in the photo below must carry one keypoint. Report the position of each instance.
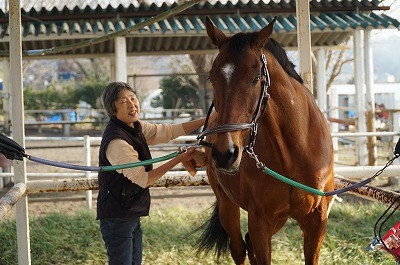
(238, 79)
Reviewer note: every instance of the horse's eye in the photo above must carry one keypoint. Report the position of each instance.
(209, 80)
(255, 81)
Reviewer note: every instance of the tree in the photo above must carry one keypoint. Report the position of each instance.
(179, 92)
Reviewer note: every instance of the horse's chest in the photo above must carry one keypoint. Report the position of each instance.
(231, 186)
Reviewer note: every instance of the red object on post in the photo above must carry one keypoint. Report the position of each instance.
(392, 241)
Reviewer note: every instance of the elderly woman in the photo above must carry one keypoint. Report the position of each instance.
(124, 194)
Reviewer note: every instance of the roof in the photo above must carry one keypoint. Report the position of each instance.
(48, 24)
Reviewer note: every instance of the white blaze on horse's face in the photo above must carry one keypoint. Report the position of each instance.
(227, 71)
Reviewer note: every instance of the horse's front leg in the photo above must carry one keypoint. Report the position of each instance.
(260, 233)
(229, 214)
(314, 229)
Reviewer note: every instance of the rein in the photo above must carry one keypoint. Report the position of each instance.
(253, 125)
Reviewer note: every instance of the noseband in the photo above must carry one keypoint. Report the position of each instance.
(253, 125)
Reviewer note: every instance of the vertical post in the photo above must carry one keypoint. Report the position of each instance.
(86, 145)
(370, 98)
(112, 69)
(321, 82)
(359, 96)
(18, 130)
(6, 97)
(334, 112)
(304, 42)
(121, 73)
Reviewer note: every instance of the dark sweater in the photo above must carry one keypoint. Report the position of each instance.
(118, 196)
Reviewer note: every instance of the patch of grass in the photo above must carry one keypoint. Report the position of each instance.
(75, 239)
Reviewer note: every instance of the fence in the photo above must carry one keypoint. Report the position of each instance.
(87, 181)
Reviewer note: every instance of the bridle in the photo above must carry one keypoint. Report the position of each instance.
(253, 125)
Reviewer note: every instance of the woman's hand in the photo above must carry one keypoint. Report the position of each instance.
(186, 156)
(193, 161)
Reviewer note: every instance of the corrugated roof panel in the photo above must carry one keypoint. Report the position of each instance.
(219, 23)
(253, 24)
(390, 20)
(278, 26)
(176, 25)
(185, 43)
(75, 28)
(165, 26)
(235, 16)
(87, 28)
(286, 24)
(371, 21)
(98, 27)
(119, 25)
(360, 21)
(330, 22)
(231, 24)
(349, 20)
(187, 24)
(242, 24)
(197, 24)
(64, 29)
(109, 27)
(338, 20)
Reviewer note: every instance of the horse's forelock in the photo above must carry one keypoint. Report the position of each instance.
(238, 43)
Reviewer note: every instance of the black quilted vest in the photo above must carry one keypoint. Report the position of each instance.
(118, 196)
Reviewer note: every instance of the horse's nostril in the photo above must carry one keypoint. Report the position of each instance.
(225, 159)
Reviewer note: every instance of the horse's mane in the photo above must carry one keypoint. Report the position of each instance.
(240, 41)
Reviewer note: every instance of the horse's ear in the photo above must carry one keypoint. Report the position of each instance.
(216, 35)
(263, 35)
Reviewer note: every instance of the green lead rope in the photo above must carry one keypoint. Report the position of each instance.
(292, 182)
(140, 163)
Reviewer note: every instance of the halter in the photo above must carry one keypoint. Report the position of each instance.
(253, 125)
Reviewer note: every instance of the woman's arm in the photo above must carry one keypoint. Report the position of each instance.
(160, 171)
(190, 126)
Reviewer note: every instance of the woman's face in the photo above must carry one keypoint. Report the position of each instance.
(128, 107)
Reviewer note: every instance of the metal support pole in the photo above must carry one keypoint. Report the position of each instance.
(304, 42)
(89, 196)
(18, 130)
(121, 72)
(360, 98)
(321, 81)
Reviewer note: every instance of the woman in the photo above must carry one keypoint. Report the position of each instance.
(124, 194)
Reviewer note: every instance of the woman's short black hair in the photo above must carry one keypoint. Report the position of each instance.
(110, 95)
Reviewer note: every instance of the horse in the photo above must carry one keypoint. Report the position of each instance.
(265, 115)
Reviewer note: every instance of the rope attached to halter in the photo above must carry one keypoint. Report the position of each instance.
(316, 191)
(13, 151)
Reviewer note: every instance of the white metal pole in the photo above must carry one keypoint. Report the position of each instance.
(17, 118)
(121, 73)
(304, 42)
(6, 107)
(334, 113)
(360, 98)
(321, 81)
(87, 173)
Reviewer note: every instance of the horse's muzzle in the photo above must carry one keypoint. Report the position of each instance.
(224, 161)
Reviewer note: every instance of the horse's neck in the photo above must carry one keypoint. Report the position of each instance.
(291, 111)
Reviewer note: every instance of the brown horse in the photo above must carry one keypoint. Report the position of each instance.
(289, 135)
